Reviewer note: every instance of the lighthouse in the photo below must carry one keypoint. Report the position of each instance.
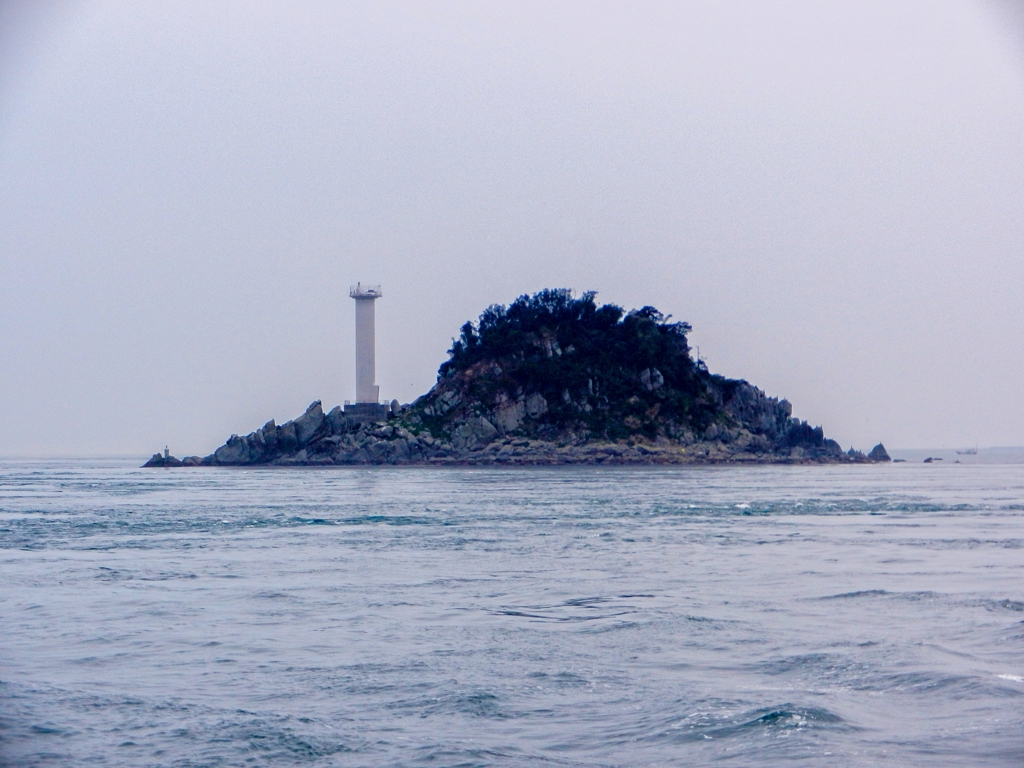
(367, 406)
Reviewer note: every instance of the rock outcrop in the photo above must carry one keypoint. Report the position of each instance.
(163, 460)
(166, 460)
(878, 453)
(557, 380)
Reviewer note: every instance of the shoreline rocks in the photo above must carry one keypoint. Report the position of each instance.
(166, 460)
(319, 439)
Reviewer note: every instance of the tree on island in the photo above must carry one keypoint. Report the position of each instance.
(601, 371)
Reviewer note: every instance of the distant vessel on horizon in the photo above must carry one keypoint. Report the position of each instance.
(968, 452)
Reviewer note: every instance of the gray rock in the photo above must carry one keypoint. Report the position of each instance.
(398, 452)
(759, 444)
(336, 420)
(378, 451)
(878, 453)
(651, 379)
(287, 441)
(446, 402)
(268, 434)
(308, 423)
(536, 405)
(234, 451)
(509, 415)
(759, 413)
(472, 433)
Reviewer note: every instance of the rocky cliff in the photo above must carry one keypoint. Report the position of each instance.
(555, 379)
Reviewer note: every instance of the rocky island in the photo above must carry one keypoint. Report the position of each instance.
(554, 379)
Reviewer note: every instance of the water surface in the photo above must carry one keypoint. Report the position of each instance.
(869, 615)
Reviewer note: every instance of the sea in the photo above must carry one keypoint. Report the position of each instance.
(561, 616)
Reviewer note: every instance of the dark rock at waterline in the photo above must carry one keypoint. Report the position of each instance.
(878, 453)
(162, 460)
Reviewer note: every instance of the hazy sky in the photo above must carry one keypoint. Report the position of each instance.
(831, 193)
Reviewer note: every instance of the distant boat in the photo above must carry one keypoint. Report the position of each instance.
(969, 451)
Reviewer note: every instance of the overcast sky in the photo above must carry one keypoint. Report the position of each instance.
(831, 193)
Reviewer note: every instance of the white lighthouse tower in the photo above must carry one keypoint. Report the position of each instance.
(367, 406)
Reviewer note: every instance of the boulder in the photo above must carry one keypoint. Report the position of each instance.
(268, 434)
(287, 440)
(336, 420)
(234, 451)
(509, 415)
(536, 405)
(401, 451)
(473, 433)
(308, 423)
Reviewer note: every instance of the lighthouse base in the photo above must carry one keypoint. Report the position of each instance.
(360, 413)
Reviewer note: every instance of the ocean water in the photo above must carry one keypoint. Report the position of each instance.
(748, 616)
